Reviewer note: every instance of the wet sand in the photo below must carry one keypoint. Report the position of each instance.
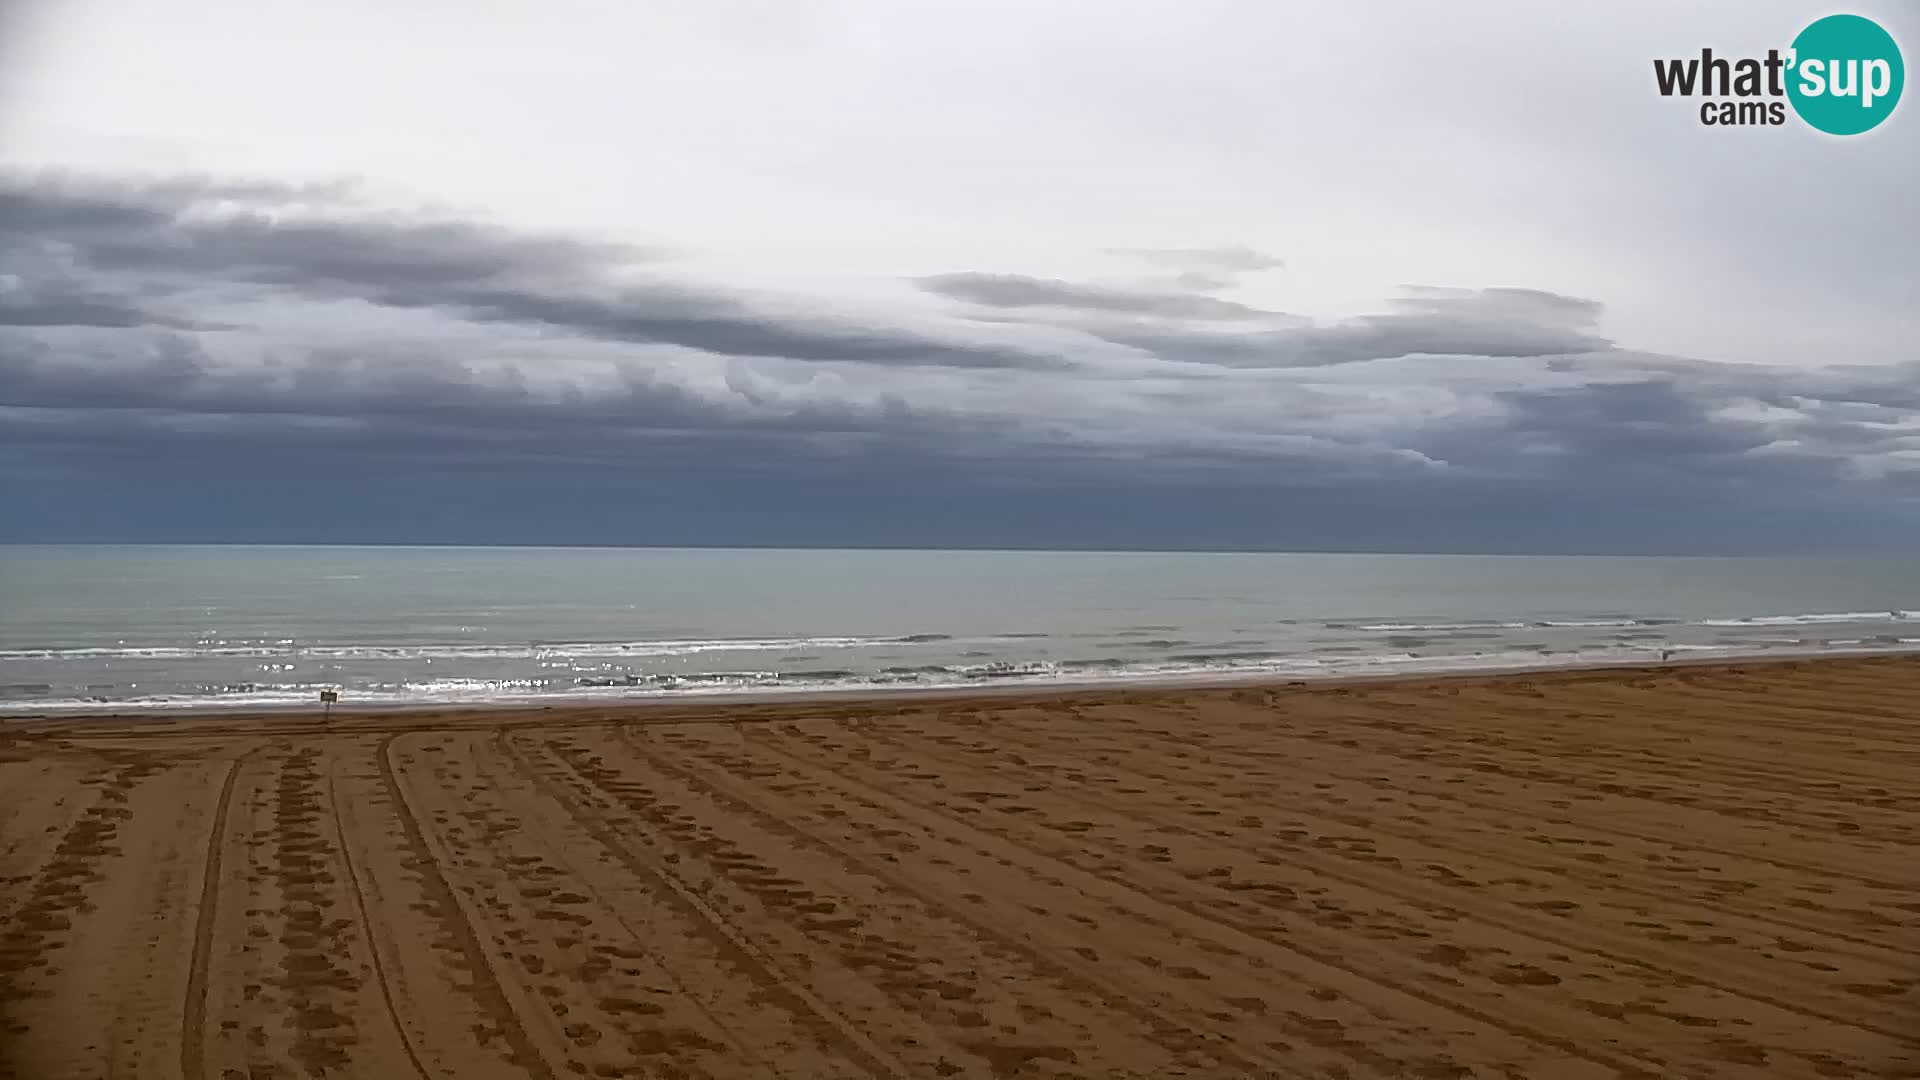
(1706, 871)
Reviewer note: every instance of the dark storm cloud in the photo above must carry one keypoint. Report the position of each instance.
(39, 208)
(770, 490)
(719, 326)
(407, 407)
(187, 238)
(770, 427)
(1431, 322)
(1020, 291)
(1427, 321)
(1650, 432)
(257, 233)
(33, 294)
(41, 303)
(1791, 434)
(411, 449)
(1653, 419)
(171, 376)
(173, 373)
(1889, 390)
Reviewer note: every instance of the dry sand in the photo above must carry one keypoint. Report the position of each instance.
(1682, 872)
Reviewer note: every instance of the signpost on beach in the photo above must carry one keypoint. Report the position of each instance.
(327, 698)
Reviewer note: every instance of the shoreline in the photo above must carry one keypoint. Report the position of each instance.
(802, 701)
(590, 698)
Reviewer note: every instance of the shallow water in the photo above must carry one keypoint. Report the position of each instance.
(98, 627)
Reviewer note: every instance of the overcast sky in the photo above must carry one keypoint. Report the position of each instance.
(1380, 276)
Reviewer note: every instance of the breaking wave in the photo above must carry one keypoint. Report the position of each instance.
(534, 650)
(1318, 662)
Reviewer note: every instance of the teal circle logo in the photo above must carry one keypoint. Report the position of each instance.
(1846, 74)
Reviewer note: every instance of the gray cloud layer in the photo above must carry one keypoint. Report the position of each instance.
(176, 236)
(204, 334)
(1020, 291)
(1497, 322)
(50, 301)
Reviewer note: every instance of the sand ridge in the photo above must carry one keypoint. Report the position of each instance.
(1706, 871)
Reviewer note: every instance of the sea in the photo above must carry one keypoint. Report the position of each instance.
(119, 629)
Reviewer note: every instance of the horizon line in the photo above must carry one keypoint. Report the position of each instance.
(964, 549)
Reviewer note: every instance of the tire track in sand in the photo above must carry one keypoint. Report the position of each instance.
(1756, 985)
(193, 1015)
(510, 765)
(870, 1056)
(1236, 934)
(367, 925)
(1230, 761)
(1439, 842)
(1156, 1024)
(1504, 808)
(1562, 754)
(44, 924)
(485, 988)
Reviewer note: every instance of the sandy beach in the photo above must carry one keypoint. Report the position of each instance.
(1709, 872)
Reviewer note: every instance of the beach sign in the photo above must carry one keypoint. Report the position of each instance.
(327, 698)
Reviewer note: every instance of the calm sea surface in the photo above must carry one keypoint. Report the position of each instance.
(115, 627)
